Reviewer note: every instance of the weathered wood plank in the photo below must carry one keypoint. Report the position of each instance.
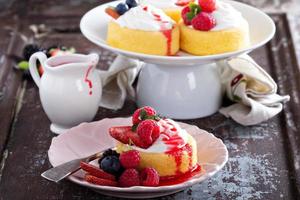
(263, 158)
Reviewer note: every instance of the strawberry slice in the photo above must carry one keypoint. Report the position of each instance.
(120, 133)
(95, 171)
(99, 181)
(125, 135)
(112, 12)
(183, 2)
(136, 140)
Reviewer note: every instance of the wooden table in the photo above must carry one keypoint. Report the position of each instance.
(264, 159)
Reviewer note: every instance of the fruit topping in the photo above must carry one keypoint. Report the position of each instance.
(112, 12)
(131, 3)
(95, 171)
(148, 130)
(203, 22)
(120, 133)
(99, 181)
(189, 12)
(183, 2)
(111, 164)
(149, 177)
(125, 135)
(122, 8)
(144, 113)
(110, 152)
(184, 12)
(130, 159)
(207, 5)
(130, 177)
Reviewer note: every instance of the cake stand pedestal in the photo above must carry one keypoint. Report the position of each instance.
(180, 91)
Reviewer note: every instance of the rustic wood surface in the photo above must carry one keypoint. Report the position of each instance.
(264, 159)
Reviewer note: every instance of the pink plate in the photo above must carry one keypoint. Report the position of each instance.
(88, 138)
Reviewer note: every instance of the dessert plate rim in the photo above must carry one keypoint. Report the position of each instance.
(61, 139)
(158, 58)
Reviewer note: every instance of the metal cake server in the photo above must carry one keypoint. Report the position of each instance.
(66, 169)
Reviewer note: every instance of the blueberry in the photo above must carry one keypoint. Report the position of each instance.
(131, 3)
(122, 8)
(111, 164)
(29, 50)
(110, 152)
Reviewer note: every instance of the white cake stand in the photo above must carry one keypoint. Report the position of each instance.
(186, 86)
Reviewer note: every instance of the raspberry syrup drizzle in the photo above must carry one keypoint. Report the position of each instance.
(177, 146)
(87, 80)
(166, 33)
(173, 180)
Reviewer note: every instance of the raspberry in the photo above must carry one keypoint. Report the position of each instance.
(137, 118)
(130, 159)
(184, 11)
(207, 5)
(149, 177)
(130, 177)
(203, 22)
(148, 131)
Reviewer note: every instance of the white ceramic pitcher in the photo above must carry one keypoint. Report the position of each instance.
(70, 88)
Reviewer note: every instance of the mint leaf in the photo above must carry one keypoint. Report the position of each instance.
(143, 114)
(190, 16)
(134, 127)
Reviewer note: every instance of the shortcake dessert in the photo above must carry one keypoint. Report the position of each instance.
(161, 143)
(143, 29)
(212, 27)
(152, 152)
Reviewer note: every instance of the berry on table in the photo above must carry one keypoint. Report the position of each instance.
(183, 2)
(130, 177)
(121, 8)
(130, 159)
(111, 164)
(148, 130)
(207, 5)
(29, 50)
(203, 22)
(149, 177)
(99, 181)
(142, 113)
(131, 3)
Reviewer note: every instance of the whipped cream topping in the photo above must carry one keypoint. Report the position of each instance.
(162, 4)
(146, 18)
(169, 129)
(226, 16)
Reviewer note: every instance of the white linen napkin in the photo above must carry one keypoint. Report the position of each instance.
(253, 90)
(117, 82)
(244, 82)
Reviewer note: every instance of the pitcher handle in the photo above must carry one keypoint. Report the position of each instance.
(33, 68)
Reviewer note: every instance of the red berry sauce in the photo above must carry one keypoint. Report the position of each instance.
(87, 80)
(173, 180)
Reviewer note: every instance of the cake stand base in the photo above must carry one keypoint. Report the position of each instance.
(180, 92)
